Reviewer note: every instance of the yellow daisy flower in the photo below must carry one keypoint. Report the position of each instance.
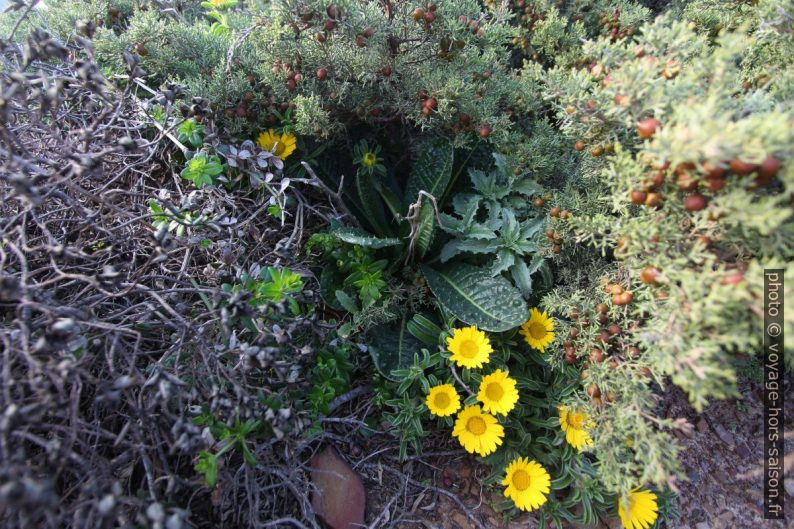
(575, 424)
(369, 159)
(282, 145)
(638, 509)
(478, 432)
(443, 400)
(528, 484)
(539, 330)
(498, 392)
(469, 347)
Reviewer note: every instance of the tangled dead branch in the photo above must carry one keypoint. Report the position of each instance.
(116, 335)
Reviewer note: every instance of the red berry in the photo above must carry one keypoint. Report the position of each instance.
(769, 167)
(715, 184)
(485, 131)
(579, 145)
(431, 103)
(638, 197)
(657, 180)
(329, 25)
(695, 202)
(650, 275)
(733, 279)
(686, 182)
(654, 200)
(593, 391)
(742, 168)
(430, 17)
(322, 73)
(386, 71)
(647, 127)
(368, 32)
(713, 171)
(597, 355)
(291, 85)
(418, 14)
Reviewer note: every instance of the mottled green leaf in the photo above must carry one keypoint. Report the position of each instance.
(475, 297)
(392, 347)
(362, 238)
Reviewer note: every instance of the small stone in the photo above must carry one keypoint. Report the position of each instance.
(702, 425)
(338, 496)
(702, 525)
(742, 450)
(720, 476)
(462, 521)
(724, 435)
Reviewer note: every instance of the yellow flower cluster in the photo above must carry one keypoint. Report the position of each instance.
(477, 427)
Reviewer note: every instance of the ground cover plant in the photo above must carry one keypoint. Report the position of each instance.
(235, 233)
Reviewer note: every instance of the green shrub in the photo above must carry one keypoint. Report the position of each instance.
(671, 223)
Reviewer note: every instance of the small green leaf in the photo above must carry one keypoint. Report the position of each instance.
(208, 465)
(347, 302)
(424, 330)
(362, 238)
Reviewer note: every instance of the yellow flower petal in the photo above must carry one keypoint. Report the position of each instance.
(576, 425)
(498, 392)
(281, 145)
(638, 509)
(478, 432)
(469, 347)
(528, 484)
(538, 331)
(443, 400)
